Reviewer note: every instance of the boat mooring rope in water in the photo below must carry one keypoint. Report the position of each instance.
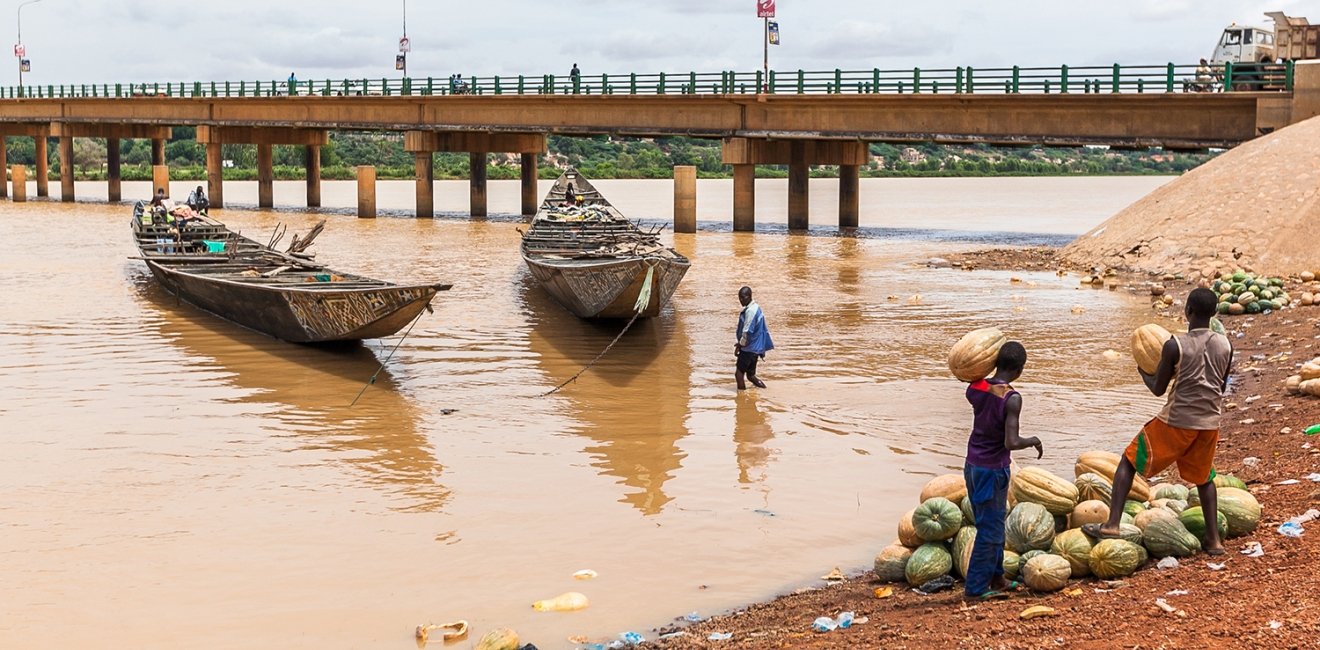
(643, 299)
(376, 374)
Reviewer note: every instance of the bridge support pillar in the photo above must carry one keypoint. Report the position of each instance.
(424, 161)
(744, 198)
(849, 200)
(685, 198)
(66, 168)
(160, 179)
(42, 155)
(477, 173)
(114, 190)
(529, 176)
(265, 176)
(19, 173)
(157, 151)
(798, 187)
(366, 190)
(215, 184)
(312, 154)
(4, 167)
(799, 155)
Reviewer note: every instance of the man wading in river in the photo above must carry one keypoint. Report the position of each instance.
(1187, 430)
(753, 339)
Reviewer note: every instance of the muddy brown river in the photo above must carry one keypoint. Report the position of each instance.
(168, 479)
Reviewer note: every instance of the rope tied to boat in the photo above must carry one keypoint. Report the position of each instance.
(376, 374)
(643, 300)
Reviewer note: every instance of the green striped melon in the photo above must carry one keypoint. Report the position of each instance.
(1115, 558)
(1012, 564)
(1032, 553)
(1145, 518)
(927, 563)
(1130, 533)
(1105, 463)
(1241, 509)
(1169, 537)
(1028, 527)
(936, 519)
(962, 549)
(1228, 480)
(1046, 572)
(1075, 547)
(891, 563)
(1093, 487)
(1170, 491)
(969, 516)
(1194, 520)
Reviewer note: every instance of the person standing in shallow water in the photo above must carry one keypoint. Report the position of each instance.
(753, 340)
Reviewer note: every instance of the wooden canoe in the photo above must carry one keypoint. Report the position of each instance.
(593, 260)
(284, 295)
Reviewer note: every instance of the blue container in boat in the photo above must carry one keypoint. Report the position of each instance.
(214, 246)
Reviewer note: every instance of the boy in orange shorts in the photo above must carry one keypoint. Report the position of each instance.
(1186, 430)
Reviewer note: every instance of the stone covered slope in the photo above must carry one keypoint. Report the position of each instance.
(1256, 206)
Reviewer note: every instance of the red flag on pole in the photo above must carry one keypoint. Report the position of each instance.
(765, 8)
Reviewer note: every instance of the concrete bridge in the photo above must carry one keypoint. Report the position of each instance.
(798, 129)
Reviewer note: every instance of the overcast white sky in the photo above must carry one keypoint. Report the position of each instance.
(103, 41)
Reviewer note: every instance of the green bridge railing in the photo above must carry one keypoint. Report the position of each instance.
(1167, 78)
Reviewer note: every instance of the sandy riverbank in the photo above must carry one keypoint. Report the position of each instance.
(1270, 601)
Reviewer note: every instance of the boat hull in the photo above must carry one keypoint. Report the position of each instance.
(301, 315)
(608, 288)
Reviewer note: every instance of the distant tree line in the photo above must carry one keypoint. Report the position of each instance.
(601, 157)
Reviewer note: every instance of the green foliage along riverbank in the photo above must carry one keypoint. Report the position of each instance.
(604, 157)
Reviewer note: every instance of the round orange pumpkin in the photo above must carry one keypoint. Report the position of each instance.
(950, 486)
(974, 355)
(1147, 345)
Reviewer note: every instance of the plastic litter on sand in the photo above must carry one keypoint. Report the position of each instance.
(1167, 563)
(719, 636)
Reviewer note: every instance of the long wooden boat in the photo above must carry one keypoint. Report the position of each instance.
(593, 260)
(282, 294)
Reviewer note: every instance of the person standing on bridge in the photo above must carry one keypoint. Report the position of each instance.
(575, 75)
(753, 340)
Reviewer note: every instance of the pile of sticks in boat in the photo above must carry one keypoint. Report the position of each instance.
(624, 243)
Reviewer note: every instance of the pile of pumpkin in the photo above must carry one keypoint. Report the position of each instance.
(1307, 380)
(1044, 546)
(1241, 292)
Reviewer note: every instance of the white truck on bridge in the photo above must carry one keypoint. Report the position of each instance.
(1290, 39)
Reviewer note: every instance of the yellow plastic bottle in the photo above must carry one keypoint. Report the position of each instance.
(565, 602)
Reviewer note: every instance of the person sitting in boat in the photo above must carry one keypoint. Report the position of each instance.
(198, 202)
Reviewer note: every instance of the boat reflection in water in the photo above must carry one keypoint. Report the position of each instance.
(632, 405)
(306, 392)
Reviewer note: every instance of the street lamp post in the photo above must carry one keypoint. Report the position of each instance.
(19, 50)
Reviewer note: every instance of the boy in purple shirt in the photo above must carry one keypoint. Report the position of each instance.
(996, 407)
